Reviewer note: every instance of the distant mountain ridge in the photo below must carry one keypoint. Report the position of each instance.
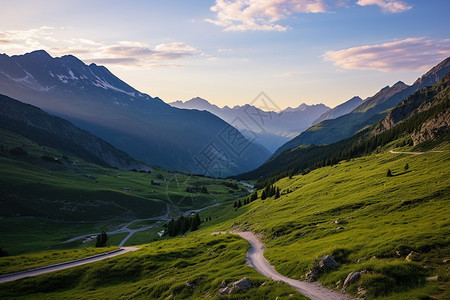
(146, 128)
(369, 112)
(423, 117)
(269, 128)
(340, 110)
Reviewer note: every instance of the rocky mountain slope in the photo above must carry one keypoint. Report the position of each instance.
(369, 112)
(340, 110)
(146, 128)
(421, 117)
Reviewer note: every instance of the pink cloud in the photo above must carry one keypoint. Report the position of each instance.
(391, 6)
(242, 15)
(411, 54)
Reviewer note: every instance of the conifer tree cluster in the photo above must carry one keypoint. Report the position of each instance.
(269, 191)
(252, 198)
(197, 189)
(183, 224)
(101, 239)
(232, 185)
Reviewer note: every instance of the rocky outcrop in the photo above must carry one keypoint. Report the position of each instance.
(325, 264)
(432, 128)
(241, 284)
(312, 275)
(351, 278)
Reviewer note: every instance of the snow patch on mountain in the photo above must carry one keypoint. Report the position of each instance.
(29, 81)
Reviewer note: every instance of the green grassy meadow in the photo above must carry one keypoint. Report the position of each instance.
(195, 266)
(352, 211)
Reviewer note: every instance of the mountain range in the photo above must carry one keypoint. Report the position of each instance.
(423, 116)
(370, 111)
(267, 127)
(145, 127)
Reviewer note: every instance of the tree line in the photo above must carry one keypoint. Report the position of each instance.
(183, 224)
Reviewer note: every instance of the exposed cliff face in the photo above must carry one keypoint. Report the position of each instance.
(432, 128)
(420, 101)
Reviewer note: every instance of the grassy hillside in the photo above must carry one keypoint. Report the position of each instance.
(194, 267)
(353, 211)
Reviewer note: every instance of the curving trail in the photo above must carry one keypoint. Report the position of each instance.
(64, 265)
(256, 259)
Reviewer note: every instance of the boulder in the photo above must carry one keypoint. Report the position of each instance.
(225, 291)
(312, 275)
(327, 262)
(243, 284)
(351, 278)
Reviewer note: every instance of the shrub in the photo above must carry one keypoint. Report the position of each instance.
(377, 284)
(18, 151)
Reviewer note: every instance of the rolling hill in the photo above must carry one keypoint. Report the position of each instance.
(54, 132)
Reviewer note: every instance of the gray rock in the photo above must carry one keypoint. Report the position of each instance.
(225, 291)
(327, 262)
(312, 275)
(351, 278)
(243, 284)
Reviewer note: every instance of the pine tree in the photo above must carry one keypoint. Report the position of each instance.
(277, 195)
(101, 240)
(389, 173)
(239, 203)
(406, 167)
(235, 204)
(263, 195)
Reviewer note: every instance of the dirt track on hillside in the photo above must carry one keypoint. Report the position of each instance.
(64, 265)
(256, 259)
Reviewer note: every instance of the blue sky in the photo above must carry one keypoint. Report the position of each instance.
(312, 51)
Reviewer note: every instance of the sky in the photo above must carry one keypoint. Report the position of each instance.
(228, 52)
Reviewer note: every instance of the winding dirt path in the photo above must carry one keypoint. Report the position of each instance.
(417, 153)
(64, 265)
(256, 259)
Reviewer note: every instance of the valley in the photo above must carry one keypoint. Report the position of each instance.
(313, 217)
(109, 193)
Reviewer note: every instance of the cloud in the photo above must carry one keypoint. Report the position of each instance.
(242, 15)
(290, 74)
(390, 6)
(124, 53)
(222, 50)
(411, 54)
